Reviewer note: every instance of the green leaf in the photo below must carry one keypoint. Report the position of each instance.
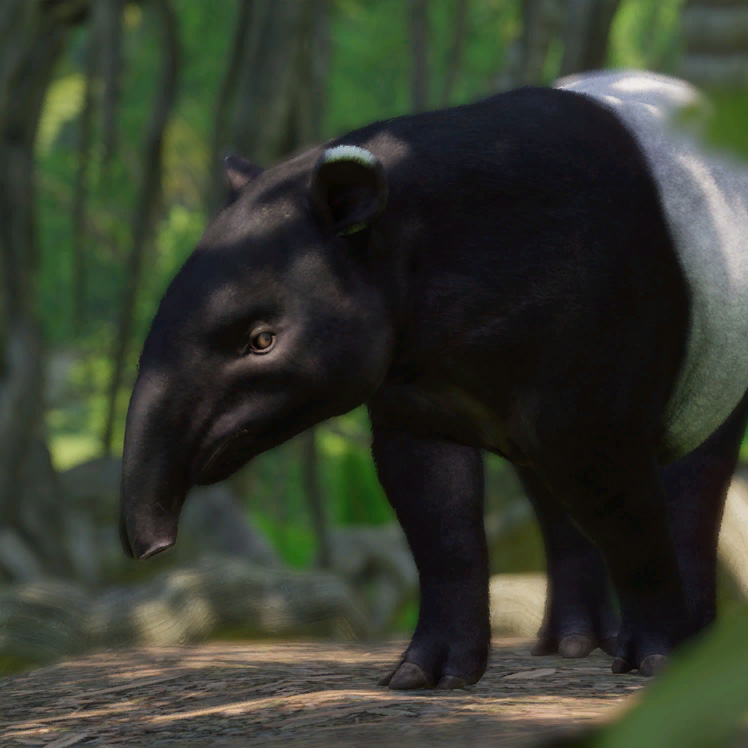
(699, 701)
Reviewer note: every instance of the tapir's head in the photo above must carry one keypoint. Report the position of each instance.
(277, 321)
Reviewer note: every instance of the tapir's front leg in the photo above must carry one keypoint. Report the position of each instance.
(436, 489)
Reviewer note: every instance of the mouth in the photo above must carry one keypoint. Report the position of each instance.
(224, 459)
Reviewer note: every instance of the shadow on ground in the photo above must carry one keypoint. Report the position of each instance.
(226, 694)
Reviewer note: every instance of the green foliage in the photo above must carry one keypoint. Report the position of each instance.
(727, 125)
(62, 104)
(646, 35)
(12, 664)
(352, 490)
(699, 701)
(293, 539)
(371, 61)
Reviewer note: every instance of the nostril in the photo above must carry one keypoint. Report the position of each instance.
(157, 547)
(126, 547)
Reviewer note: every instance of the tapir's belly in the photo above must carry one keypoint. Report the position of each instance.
(705, 201)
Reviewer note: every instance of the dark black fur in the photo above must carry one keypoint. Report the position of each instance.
(519, 293)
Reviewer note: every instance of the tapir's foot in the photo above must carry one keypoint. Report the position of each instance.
(651, 665)
(645, 641)
(573, 646)
(431, 663)
(574, 631)
(642, 650)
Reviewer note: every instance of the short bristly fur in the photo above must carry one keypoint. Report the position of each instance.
(515, 275)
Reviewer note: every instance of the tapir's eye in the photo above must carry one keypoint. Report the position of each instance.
(261, 342)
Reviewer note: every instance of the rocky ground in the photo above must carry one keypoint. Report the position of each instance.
(307, 694)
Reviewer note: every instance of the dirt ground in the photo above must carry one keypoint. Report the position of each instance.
(306, 694)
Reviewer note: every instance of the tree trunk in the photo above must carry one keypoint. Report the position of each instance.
(454, 57)
(586, 32)
(146, 208)
(107, 22)
(582, 25)
(80, 189)
(309, 463)
(419, 74)
(541, 24)
(715, 34)
(215, 187)
(31, 37)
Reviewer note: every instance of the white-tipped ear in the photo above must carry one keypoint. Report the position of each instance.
(349, 188)
(239, 171)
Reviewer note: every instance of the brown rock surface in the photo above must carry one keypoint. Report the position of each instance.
(300, 693)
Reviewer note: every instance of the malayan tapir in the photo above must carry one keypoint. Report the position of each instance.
(551, 274)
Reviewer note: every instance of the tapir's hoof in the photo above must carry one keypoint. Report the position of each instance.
(408, 676)
(621, 665)
(576, 645)
(573, 646)
(449, 682)
(652, 665)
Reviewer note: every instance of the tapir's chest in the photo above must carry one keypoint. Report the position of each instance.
(705, 202)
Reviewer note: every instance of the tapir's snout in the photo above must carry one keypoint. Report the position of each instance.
(154, 485)
(142, 540)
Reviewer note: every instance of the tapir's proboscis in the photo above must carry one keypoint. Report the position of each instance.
(555, 275)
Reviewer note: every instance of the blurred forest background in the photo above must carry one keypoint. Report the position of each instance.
(114, 117)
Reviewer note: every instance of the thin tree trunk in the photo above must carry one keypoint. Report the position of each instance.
(309, 462)
(79, 190)
(419, 75)
(311, 76)
(715, 36)
(586, 33)
(541, 24)
(108, 27)
(225, 99)
(262, 127)
(454, 57)
(147, 205)
(31, 38)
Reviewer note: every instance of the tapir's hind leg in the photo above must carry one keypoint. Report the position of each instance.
(696, 487)
(579, 615)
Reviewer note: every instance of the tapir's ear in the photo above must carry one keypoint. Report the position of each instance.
(348, 189)
(240, 171)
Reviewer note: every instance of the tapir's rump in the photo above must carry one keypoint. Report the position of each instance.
(705, 201)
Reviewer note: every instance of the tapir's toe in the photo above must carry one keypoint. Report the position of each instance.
(434, 661)
(449, 682)
(574, 646)
(409, 676)
(621, 665)
(652, 665)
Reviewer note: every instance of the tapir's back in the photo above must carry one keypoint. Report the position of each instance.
(705, 200)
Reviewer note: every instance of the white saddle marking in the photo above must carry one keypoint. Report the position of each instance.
(705, 201)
